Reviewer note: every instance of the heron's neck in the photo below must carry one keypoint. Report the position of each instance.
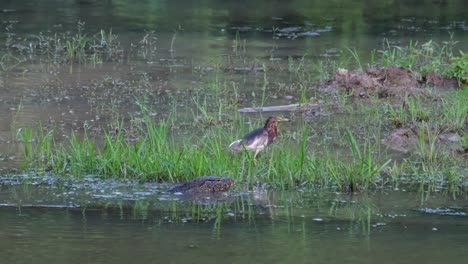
(272, 130)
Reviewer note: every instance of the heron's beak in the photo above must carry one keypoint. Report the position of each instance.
(281, 119)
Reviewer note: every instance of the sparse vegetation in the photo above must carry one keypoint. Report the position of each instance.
(145, 147)
(424, 58)
(155, 155)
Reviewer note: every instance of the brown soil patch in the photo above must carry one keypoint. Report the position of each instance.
(406, 140)
(436, 80)
(461, 152)
(402, 140)
(386, 82)
(356, 82)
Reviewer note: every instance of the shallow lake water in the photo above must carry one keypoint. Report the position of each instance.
(195, 48)
(45, 220)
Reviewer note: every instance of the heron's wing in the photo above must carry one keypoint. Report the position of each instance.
(256, 138)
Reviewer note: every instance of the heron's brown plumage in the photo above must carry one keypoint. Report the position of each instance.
(260, 137)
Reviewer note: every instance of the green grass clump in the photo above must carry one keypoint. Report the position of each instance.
(448, 112)
(363, 168)
(427, 57)
(458, 68)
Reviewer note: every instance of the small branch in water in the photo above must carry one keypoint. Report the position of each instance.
(290, 107)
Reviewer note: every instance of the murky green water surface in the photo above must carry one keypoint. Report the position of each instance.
(198, 44)
(90, 221)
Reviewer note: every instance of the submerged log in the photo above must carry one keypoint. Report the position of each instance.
(204, 184)
(290, 107)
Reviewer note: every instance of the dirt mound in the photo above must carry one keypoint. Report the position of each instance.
(386, 82)
(436, 80)
(394, 76)
(356, 82)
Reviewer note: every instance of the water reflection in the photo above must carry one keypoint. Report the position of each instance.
(58, 221)
(358, 213)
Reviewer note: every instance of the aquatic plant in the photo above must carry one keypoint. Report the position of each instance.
(426, 144)
(66, 47)
(361, 171)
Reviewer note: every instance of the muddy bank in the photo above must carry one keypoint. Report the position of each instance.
(406, 140)
(387, 82)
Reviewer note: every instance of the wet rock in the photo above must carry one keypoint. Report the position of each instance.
(449, 137)
(310, 33)
(325, 29)
(290, 29)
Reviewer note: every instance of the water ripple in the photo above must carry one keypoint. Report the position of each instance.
(443, 211)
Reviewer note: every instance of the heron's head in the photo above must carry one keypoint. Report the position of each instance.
(274, 119)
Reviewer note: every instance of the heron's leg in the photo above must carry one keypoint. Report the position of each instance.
(255, 156)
